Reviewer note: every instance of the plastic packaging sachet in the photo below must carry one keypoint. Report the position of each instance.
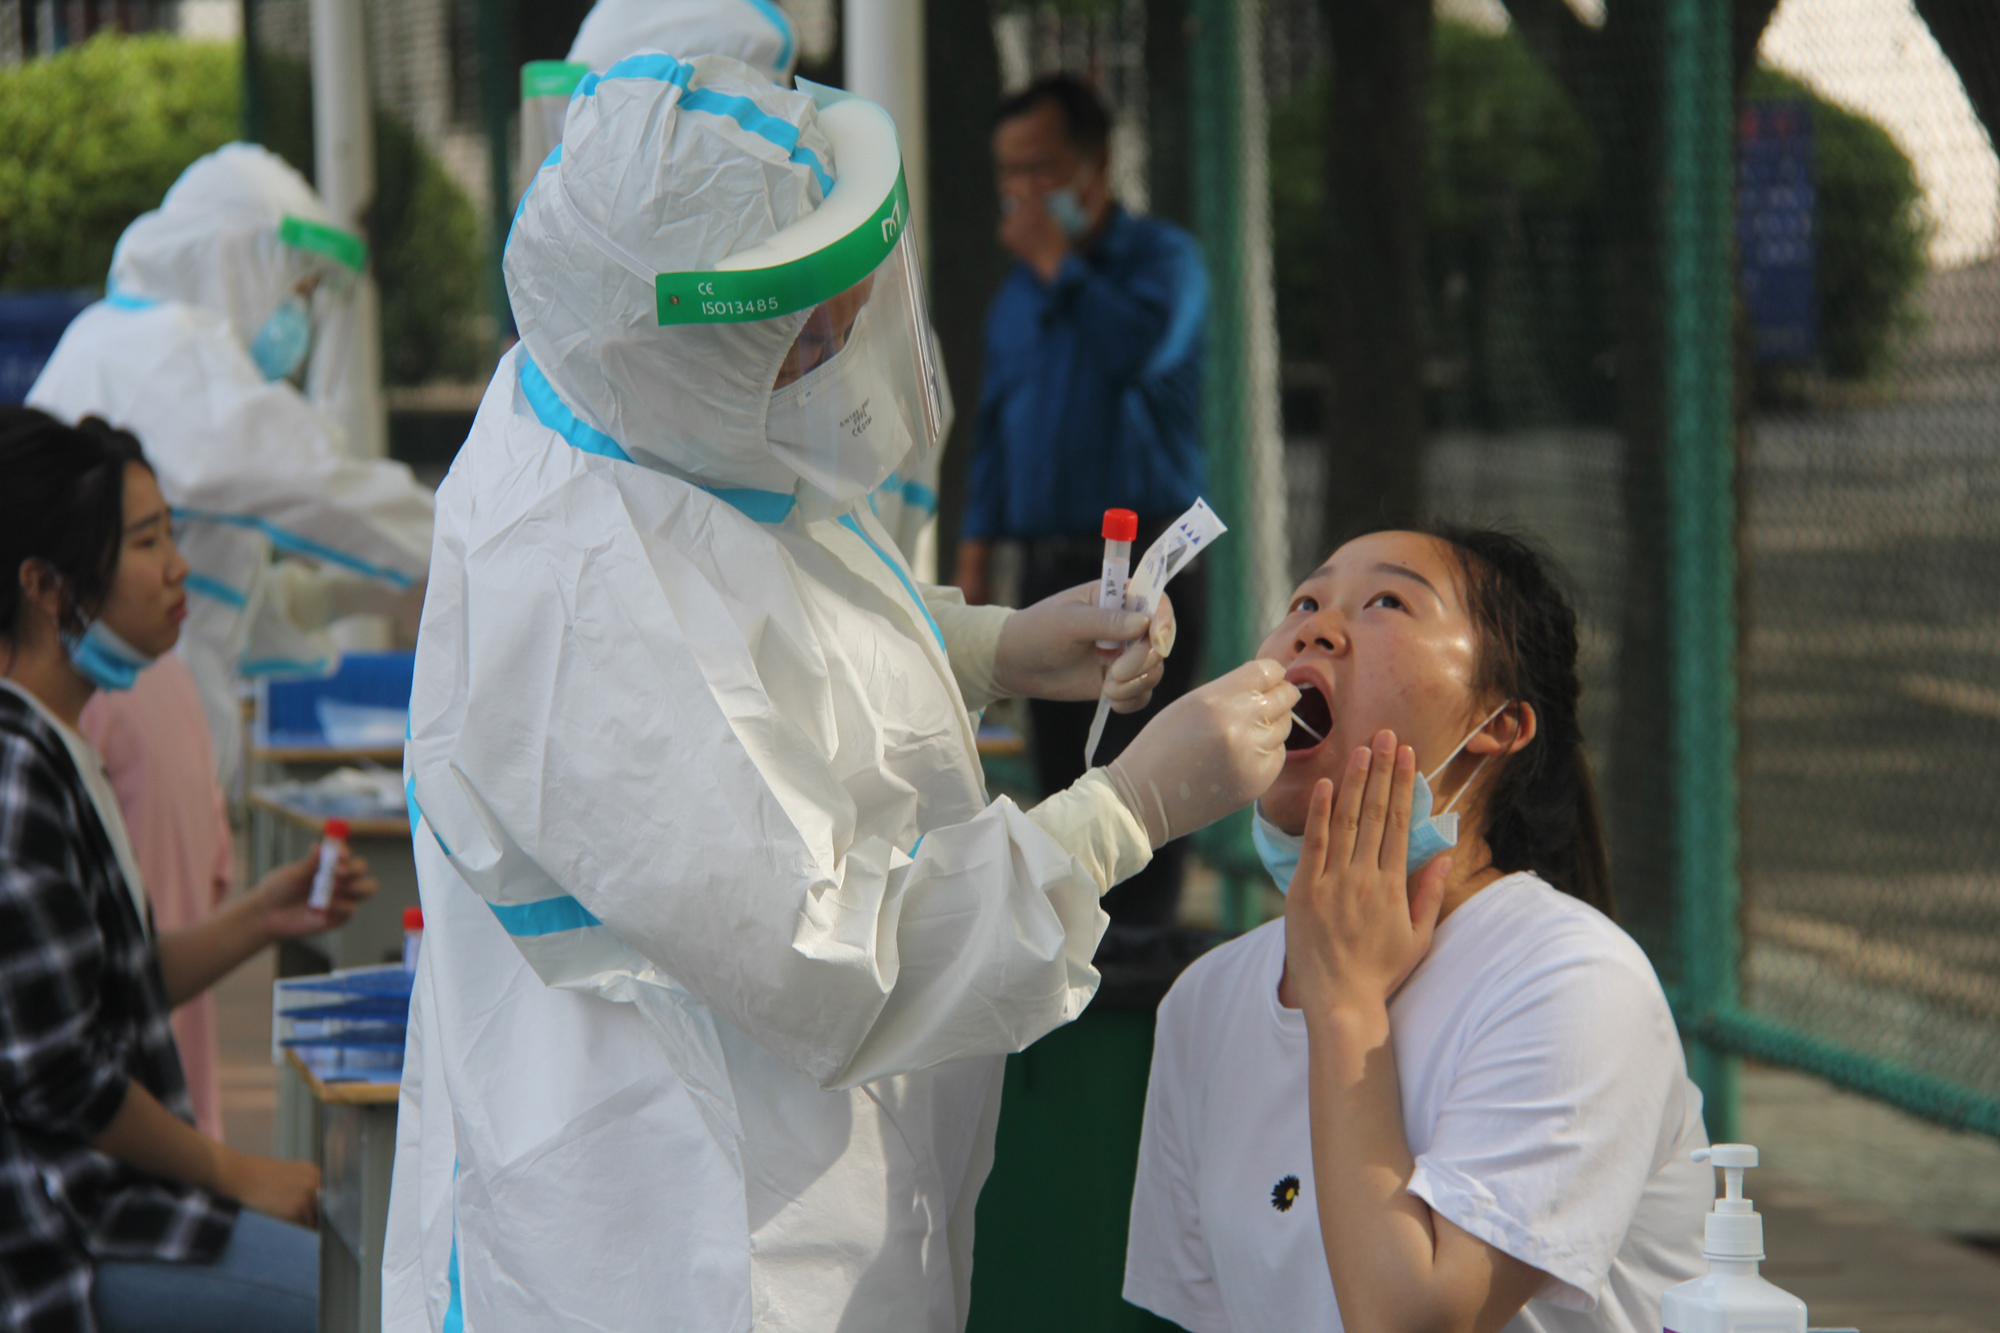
(1171, 552)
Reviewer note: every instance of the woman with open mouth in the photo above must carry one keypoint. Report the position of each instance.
(1445, 1092)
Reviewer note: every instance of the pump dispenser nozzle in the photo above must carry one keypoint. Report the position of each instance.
(1734, 1230)
(1733, 1297)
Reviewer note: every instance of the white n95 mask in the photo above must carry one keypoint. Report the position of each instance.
(838, 425)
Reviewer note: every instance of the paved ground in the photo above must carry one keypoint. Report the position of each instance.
(1857, 1267)
(1848, 1186)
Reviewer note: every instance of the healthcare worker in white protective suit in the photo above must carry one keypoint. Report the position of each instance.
(724, 938)
(211, 312)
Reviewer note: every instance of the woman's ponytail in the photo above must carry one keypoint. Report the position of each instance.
(1542, 814)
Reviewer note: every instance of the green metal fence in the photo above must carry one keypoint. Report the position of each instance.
(1785, 558)
(1785, 553)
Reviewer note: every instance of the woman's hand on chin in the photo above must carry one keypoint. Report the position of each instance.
(1354, 927)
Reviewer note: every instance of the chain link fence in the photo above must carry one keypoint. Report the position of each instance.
(1871, 568)
(1867, 478)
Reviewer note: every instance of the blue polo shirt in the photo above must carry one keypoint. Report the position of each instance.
(1092, 398)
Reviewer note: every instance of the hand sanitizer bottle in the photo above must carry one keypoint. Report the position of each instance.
(1732, 1298)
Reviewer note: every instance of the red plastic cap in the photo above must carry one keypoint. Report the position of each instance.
(413, 918)
(338, 828)
(1121, 525)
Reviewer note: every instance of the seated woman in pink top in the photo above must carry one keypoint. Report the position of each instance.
(154, 739)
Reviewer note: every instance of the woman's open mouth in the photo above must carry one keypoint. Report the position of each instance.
(1312, 719)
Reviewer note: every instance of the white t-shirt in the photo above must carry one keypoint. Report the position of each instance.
(1544, 1097)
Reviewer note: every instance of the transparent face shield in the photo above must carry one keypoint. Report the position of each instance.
(319, 313)
(860, 389)
(546, 87)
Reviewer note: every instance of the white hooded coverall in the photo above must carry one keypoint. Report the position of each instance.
(724, 940)
(755, 32)
(251, 466)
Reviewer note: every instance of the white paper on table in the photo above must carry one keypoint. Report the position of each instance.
(1171, 552)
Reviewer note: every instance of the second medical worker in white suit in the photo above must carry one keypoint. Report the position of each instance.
(724, 938)
(210, 312)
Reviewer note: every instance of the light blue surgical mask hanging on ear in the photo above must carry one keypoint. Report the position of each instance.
(1277, 849)
(105, 660)
(280, 347)
(1430, 833)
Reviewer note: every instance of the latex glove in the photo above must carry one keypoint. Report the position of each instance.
(1210, 752)
(1049, 651)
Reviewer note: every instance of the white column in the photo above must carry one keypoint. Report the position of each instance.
(350, 385)
(883, 44)
(1264, 484)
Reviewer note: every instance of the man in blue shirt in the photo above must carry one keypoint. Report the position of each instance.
(1092, 401)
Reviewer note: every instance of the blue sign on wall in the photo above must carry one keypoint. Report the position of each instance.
(1776, 241)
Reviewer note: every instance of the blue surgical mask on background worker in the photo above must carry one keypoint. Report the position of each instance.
(280, 346)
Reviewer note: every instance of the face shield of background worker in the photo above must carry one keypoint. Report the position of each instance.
(1091, 400)
(210, 316)
(724, 937)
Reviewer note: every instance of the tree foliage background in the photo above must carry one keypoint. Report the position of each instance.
(96, 133)
(1513, 178)
(94, 136)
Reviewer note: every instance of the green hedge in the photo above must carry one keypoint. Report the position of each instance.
(96, 133)
(93, 137)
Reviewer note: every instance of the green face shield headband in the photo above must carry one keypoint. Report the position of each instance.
(849, 236)
(343, 247)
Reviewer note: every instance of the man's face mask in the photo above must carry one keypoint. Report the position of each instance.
(1430, 833)
(1063, 204)
(1068, 211)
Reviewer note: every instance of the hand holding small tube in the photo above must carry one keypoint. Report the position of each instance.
(1049, 650)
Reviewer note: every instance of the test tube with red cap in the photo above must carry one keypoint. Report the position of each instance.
(1121, 528)
(413, 936)
(333, 838)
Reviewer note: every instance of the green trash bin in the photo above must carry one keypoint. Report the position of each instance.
(1049, 1245)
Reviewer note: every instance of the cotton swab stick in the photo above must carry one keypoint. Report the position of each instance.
(1307, 725)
